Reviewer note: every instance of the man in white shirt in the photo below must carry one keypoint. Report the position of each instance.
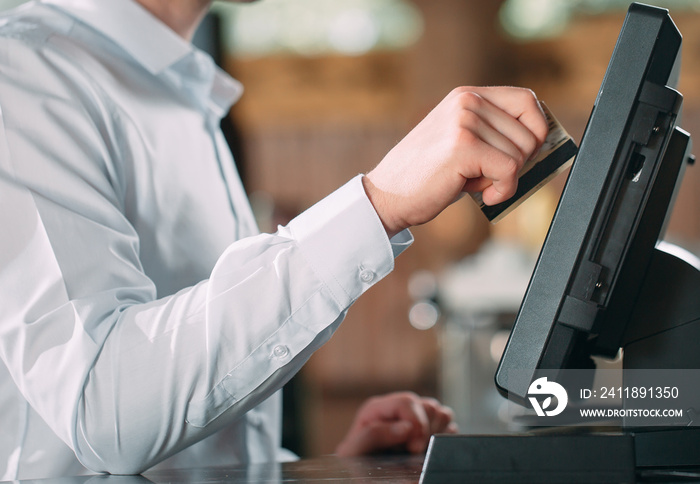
(143, 316)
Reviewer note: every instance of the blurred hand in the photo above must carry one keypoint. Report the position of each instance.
(393, 421)
(476, 139)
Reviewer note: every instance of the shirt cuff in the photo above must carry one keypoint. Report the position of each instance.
(345, 242)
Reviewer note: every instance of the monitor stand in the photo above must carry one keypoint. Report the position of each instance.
(663, 336)
(558, 457)
(666, 318)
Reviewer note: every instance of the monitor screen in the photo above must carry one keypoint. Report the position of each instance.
(611, 214)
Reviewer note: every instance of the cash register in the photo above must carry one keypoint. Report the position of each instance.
(604, 284)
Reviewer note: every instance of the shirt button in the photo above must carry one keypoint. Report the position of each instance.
(280, 351)
(366, 276)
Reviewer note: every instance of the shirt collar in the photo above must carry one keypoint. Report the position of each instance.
(147, 40)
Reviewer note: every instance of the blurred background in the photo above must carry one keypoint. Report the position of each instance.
(331, 86)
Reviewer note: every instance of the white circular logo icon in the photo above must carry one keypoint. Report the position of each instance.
(543, 387)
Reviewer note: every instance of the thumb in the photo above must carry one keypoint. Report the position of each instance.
(376, 437)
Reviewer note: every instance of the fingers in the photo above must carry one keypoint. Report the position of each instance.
(399, 407)
(496, 174)
(439, 416)
(499, 128)
(375, 437)
(519, 103)
(508, 127)
(409, 408)
(473, 185)
(397, 419)
(428, 417)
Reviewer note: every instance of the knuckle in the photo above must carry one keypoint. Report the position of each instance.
(431, 403)
(468, 118)
(410, 401)
(512, 166)
(466, 134)
(530, 143)
(470, 100)
(446, 416)
(408, 397)
(527, 95)
(449, 413)
(457, 91)
(541, 129)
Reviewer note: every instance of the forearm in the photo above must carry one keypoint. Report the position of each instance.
(155, 390)
(138, 378)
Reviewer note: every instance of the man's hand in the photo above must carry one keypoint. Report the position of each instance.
(396, 421)
(476, 139)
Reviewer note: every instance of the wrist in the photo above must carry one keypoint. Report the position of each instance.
(379, 201)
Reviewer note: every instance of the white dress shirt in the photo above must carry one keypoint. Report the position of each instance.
(140, 310)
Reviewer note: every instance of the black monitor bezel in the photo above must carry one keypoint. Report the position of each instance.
(566, 283)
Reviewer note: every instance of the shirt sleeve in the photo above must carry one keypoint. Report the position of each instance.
(124, 378)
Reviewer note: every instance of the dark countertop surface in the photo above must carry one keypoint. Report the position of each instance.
(385, 469)
(392, 469)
